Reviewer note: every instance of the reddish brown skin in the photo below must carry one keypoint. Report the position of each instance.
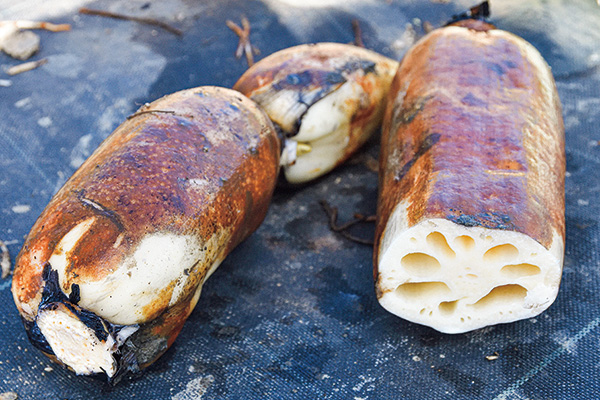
(322, 67)
(286, 62)
(140, 176)
(474, 24)
(323, 61)
(464, 113)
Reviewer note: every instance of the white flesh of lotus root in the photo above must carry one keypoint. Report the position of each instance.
(326, 129)
(75, 344)
(456, 278)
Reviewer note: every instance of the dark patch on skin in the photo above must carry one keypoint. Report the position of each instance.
(99, 209)
(174, 199)
(308, 81)
(471, 100)
(365, 65)
(75, 296)
(405, 115)
(335, 78)
(497, 68)
(464, 383)
(184, 122)
(300, 79)
(240, 138)
(310, 78)
(428, 142)
(490, 220)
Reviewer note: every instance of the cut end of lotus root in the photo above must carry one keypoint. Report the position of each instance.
(86, 349)
(455, 278)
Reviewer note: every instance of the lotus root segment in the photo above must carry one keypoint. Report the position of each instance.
(471, 223)
(116, 262)
(326, 100)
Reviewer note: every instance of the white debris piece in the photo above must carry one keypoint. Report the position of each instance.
(4, 260)
(18, 42)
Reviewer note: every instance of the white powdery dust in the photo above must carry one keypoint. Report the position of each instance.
(21, 208)
(195, 389)
(44, 122)
(81, 151)
(364, 380)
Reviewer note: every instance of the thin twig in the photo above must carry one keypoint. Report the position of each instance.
(244, 45)
(357, 33)
(25, 24)
(135, 114)
(141, 20)
(28, 66)
(365, 218)
(332, 214)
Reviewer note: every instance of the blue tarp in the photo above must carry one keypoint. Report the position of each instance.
(292, 313)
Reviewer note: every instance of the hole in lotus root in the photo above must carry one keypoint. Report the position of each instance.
(419, 291)
(448, 307)
(438, 241)
(502, 295)
(502, 252)
(420, 264)
(465, 242)
(519, 270)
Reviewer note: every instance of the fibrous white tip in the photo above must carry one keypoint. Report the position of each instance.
(75, 344)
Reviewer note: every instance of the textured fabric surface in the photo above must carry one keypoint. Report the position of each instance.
(291, 313)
